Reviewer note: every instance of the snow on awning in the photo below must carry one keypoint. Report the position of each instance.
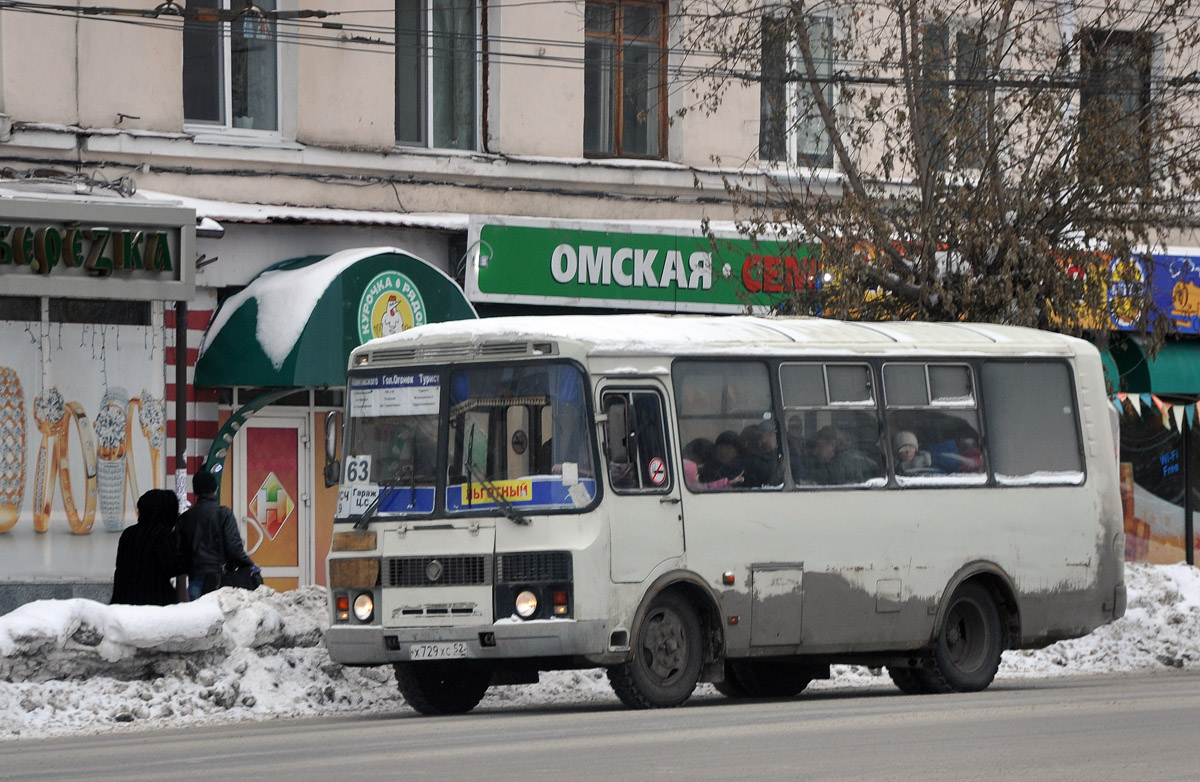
(237, 212)
(295, 324)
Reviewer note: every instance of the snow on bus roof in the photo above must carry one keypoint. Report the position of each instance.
(673, 333)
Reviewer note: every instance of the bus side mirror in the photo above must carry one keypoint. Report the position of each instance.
(333, 467)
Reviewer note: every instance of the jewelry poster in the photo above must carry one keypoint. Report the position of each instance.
(82, 434)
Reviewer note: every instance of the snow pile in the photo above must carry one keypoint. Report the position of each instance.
(77, 666)
(70, 666)
(1161, 627)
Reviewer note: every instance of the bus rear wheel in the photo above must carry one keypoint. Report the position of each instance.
(446, 687)
(667, 656)
(969, 643)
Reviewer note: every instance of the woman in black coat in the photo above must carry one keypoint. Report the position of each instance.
(148, 554)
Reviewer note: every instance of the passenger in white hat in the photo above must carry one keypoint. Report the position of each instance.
(909, 458)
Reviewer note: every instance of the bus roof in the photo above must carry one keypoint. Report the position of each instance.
(694, 334)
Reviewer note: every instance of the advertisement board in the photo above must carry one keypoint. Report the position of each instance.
(1175, 281)
(621, 266)
(82, 434)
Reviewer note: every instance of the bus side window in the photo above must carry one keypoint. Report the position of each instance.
(635, 442)
(617, 443)
(932, 409)
(1044, 413)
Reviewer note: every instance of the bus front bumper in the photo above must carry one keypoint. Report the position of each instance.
(369, 645)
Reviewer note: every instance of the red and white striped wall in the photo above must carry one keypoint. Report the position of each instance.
(201, 404)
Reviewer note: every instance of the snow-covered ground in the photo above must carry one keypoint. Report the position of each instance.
(77, 666)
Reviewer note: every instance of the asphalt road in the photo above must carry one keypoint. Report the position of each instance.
(1140, 727)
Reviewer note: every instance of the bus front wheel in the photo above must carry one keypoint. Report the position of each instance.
(665, 665)
(447, 687)
(966, 655)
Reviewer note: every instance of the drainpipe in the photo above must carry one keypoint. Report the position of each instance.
(181, 395)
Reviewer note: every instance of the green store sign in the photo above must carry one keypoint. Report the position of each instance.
(582, 266)
(41, 248)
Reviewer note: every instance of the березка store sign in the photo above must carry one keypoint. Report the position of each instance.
(127, 250)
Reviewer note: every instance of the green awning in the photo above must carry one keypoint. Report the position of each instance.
(1175, 369)
(295, 324)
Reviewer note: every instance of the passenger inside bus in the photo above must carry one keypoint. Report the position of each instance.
(835, 463)
(544, 459)
(798, 449)
(972, 454)
(760, 455)
(910, 459)
(726, 461)
(696, 454)
(412, 452)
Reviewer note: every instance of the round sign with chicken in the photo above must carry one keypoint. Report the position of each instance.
(390, 304)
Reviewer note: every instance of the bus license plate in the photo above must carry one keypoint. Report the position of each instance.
(453, 650)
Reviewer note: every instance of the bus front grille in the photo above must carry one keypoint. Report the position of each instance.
(457, 570)
(533, 567)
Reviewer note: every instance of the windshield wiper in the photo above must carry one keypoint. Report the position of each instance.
(385, 490)
(494, 494)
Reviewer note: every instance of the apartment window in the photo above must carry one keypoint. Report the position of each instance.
(1114, 103)
(625, 107)
(953, 94)
(437, 65)
(791, 128)
(231, 65)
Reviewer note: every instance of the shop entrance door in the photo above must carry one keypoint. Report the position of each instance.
(273, 498)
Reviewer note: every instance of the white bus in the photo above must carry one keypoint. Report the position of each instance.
(737, 500)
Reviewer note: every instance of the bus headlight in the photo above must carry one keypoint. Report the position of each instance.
(527, 604)
(364, 607)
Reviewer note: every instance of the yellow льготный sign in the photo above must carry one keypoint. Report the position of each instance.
(512, 491)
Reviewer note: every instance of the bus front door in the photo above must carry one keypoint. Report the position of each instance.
(644, 509)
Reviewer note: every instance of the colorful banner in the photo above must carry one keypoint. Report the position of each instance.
(1174, 280)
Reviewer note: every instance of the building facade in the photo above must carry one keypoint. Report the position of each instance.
(539, 156)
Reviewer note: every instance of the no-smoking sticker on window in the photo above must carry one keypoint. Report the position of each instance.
(658, 471)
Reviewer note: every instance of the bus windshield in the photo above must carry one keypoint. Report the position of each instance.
(392, 442)
(516, 438)
(518, 435)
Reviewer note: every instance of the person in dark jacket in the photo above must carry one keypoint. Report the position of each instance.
(149, 555)
(726, 461)
(210, 537)
(761, 458)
